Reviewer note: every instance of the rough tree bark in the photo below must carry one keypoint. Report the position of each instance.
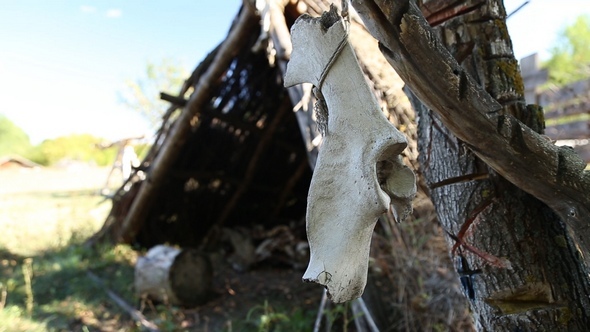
(531, 274)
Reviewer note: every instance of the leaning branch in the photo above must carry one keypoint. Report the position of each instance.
(555, 175)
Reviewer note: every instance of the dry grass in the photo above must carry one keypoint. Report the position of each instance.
(412, 265)
(43, 209)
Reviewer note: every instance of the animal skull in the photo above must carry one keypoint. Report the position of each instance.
(359, 174)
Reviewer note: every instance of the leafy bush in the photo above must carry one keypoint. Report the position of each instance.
(570, 58)
(77, 147)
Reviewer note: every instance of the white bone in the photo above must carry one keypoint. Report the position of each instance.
(359, 156)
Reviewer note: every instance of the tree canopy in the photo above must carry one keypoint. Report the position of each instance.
(13, 140)
(82, 147)
(142, 94)
(570, 57)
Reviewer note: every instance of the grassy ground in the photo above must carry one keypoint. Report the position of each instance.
(45, 216)
(51, 291)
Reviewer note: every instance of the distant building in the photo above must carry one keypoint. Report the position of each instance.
(13, 162)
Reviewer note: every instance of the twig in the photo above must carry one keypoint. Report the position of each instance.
(263, 145)
(459, 179)
(303, 166)
(465, 227)
(517, 9)
(134, 313)
(367, 315)
(499, 262)
(318, 320)
(176, 100)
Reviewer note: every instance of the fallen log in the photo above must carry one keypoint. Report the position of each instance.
(174, 276)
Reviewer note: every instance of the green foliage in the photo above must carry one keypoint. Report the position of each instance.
(266, 318)
(13, 140)
(143, 94)
(36, 155)
(570, 58)
(62, 290)
(79, 147)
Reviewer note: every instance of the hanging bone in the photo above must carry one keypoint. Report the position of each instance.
(359, 175)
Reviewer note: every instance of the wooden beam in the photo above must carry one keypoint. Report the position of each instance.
(300, 99)
(572, 130)
(574, 91)
(580, 107)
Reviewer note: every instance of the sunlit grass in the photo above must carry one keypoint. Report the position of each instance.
(44, 264)
(34, 222)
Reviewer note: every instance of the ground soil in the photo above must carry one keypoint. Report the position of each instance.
(238, 293)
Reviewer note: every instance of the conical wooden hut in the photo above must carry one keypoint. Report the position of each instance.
(236, 150)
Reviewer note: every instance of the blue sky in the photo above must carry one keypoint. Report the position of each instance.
(63, 62)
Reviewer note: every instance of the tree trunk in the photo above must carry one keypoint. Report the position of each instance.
(531, 276)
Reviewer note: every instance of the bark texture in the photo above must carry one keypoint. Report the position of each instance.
(537, 292)
(528, 273)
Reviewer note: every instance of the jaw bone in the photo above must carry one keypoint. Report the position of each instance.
(359, 175)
